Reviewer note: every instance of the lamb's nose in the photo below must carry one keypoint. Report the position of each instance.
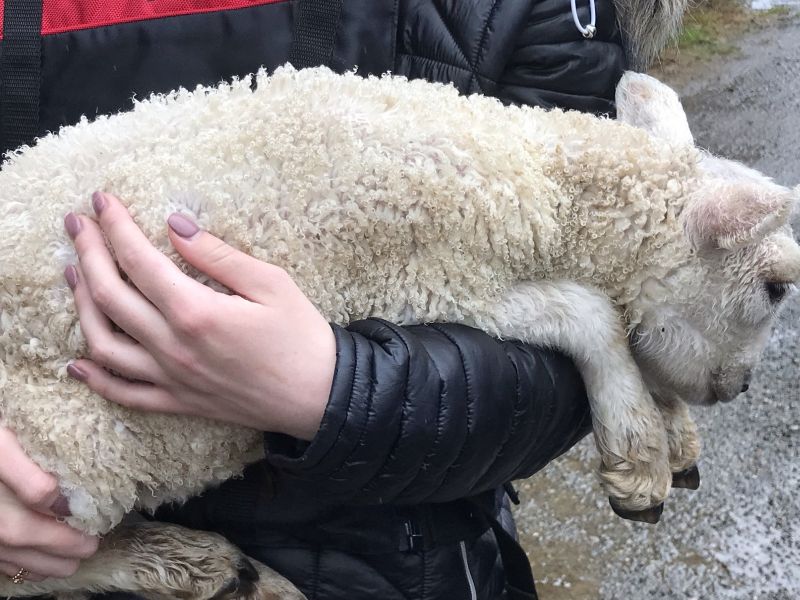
(746, 383)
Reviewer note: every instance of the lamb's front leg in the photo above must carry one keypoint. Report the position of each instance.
(628, 427)
(158, 561)
(683, 441)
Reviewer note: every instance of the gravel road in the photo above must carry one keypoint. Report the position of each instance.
(738, 537)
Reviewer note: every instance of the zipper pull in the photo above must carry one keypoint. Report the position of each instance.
(413, 536)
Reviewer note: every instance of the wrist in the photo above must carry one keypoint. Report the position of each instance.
(309, 394)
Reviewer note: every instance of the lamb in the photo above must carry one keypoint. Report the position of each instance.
(656, 266)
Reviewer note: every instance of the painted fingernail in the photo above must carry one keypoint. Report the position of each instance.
(71, 275)
(72, 224)
(183, 226)
(98, 202)
(76, 372)
(60, 507)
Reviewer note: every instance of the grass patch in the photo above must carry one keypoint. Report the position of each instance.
(777, 11)
(710, 28)
(696, 35)
(714, 28)
(703, 39)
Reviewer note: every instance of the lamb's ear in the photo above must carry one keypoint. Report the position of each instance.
(731, 215)
(645, 102)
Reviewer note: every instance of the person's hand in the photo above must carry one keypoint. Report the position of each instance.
(30, 536)
(263, 358)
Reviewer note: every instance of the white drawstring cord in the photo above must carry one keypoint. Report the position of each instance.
(588, 31)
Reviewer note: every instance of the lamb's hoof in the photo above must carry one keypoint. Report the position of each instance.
(688, 478)
(241, 586)
(649, 515)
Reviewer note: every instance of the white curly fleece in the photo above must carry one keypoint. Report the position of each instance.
(381, 197)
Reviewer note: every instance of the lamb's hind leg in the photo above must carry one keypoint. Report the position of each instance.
(628, 427)
(158, 561)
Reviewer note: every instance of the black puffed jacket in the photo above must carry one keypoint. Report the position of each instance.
(97, 56)
(419, 418)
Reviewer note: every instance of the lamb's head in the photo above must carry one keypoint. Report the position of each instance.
(701, 328)
(704, 325)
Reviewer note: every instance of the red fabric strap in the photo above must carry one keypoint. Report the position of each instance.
(59, 16)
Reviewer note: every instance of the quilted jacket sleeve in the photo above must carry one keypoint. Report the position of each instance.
(527, 52)
(552, 65)
(434, 413)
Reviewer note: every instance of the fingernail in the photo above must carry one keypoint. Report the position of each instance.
(183, 226)
(98, 202)
(60, 507)
(72, 224)
(76, 372)
(71, 275)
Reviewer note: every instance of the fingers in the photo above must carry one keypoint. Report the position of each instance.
(11, 570)
(27, 481)
(23, 528)
(38, 543)
(135, 395)
(107, 347)
(122, 303)
(155, 275)
(245, 275)
(37, 564)
(30, 539)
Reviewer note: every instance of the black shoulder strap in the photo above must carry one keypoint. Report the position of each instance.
(517, 567)
(519, 575)
(20, 72)
(316, 23)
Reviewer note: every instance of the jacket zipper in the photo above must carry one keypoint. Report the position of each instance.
(472, 593)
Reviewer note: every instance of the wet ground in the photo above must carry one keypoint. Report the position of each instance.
(767, 4)
(738, 537)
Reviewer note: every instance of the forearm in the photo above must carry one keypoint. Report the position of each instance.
(434, 413)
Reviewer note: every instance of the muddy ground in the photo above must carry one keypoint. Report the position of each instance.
(738, 537)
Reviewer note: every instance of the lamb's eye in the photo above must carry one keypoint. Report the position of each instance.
(777, 290)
